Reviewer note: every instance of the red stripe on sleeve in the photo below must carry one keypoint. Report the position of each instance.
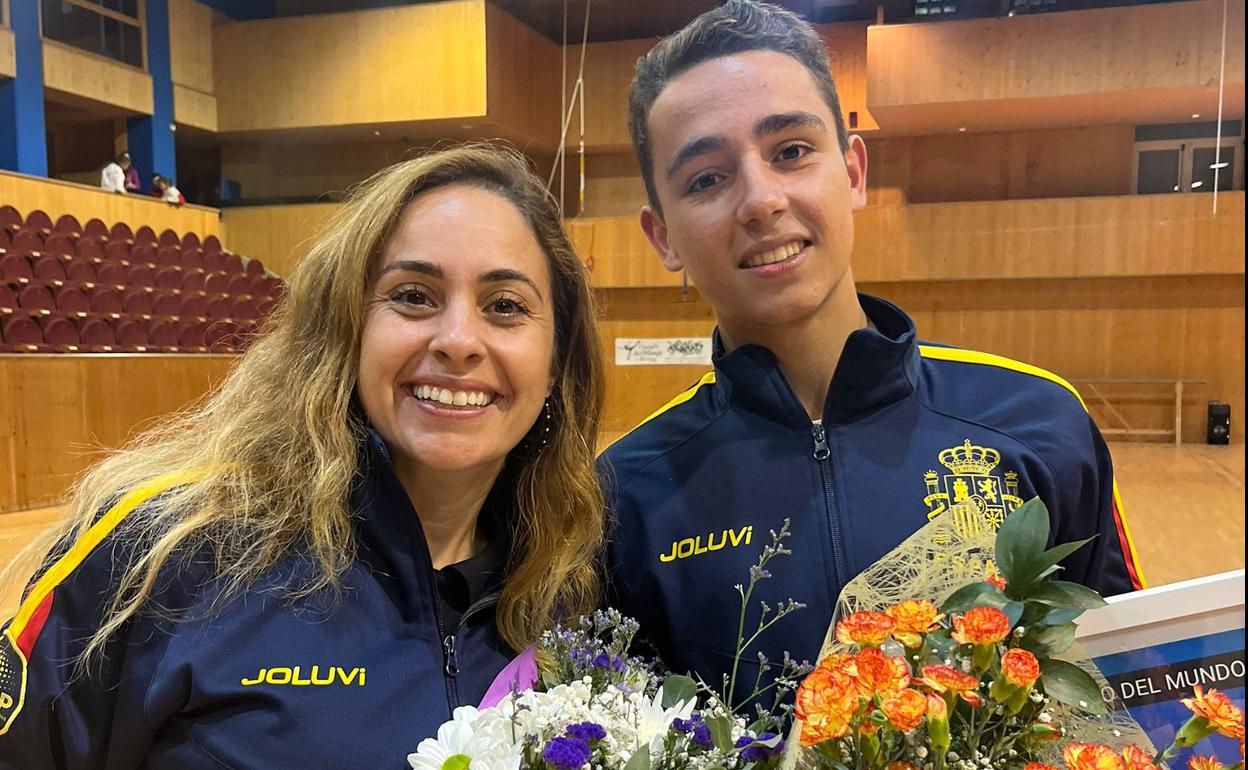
(1127, 556)
(26, 641)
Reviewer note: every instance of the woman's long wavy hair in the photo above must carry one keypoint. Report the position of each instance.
(279, 440)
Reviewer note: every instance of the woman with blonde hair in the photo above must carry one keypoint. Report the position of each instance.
(391, 493)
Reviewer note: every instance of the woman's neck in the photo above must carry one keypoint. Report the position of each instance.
(448, 504)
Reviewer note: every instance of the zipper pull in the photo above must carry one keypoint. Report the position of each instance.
(821, 441)
(448, 652)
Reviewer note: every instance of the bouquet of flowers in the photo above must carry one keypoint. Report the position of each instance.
(580, 700)
(986, 679)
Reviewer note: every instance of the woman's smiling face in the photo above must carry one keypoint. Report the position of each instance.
(458, 339)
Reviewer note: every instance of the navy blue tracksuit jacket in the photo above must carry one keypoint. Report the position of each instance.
(258, 683)
(907, 430)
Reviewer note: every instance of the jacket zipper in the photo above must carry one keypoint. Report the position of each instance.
(450, 655)
(821, 454)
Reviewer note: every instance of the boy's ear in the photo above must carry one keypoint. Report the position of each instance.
(656, 232)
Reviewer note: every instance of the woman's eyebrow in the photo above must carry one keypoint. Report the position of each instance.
(414, 266)
(502, 274)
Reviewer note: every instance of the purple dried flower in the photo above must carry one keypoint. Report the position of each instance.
(586, 732)
(566, 753)
(753, 749)
(601, 660)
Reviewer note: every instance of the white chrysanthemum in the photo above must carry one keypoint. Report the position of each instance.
(460, 745)
(653, 720)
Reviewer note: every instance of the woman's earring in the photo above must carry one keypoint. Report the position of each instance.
(548, 423)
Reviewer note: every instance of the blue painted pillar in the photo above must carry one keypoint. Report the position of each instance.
(150, 139)
(23, 138)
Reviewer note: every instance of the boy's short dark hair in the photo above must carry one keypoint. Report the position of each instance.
(735, 27)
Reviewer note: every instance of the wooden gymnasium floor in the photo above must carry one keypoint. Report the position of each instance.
(1185, 507)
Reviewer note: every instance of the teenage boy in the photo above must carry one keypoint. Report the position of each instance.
(822, 408)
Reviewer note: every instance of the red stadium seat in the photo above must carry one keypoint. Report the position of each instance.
(60, 335)
(244, 310)
(132, 336)
(120, 231)
(192, 259)
(145, 235)
(218, 308)
(68, 224)
(73, 302)
(194, 306)
(254, 267)
(214, 261)
(168, 238)
(21, 335)
(142, 275)
(95, 229)
(216, 283)
(40, 222)
(233, 264)
(137, 302)
(239, 286)
(169, 278)
(27, 241)
(10, 219)
(50, 271)
(166, 304)
(259, 286)
(59, 245)
(8, 300)
(191, 337)
(97, 336)
(79, 271)
(164, 336)
(6, 242)
(265, 306)
(117, 251)
(212, 243)
(169, 255)
(107, 302)
(190, 241)
(89, 248)
(224, 337)
(193, 281)
(36, 301)
(143, 253)
(15, 269)
(113, 274)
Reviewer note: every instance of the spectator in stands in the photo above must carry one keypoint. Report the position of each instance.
(162, 187)
(116, 176)
(391, 492)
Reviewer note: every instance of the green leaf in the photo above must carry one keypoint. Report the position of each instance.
(678, 689)
(640, 760)
(939, 645)
(1060, 617)
(1071, 685)
(1051, 640)
(968, 596)
(1063, 593)
(1040, 565)
(721, 732)
(1024, 533)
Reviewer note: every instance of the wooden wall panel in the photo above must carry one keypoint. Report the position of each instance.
(85, 75)
(278, 235)
(56, 197)
(618, 254)
(1056, 69)
(420, 62)
(8, 63)
(59, 411)
(1062, 163)
(847, 59)
(194, 108)
(522, 78)
(190, 40)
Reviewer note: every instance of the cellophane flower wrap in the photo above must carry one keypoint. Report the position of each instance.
(956, 651)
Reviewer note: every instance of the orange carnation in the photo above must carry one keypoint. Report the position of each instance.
(981, 625)
(1091, 756)
(897, 764)
(878, 673)
(1204, 763)
(1038, 766)
(1135, 758)
(1020, 668)
(825, 702)
(905, 709)
(942, 679)
(914, 617)
(998, 580)
(1223, 716)
(865, 629)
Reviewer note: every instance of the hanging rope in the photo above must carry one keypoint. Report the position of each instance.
(566, 107)
(1217, 149)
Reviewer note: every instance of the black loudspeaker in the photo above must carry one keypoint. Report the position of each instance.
(1219, 423)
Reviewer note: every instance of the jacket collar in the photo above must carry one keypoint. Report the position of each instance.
(878, 367)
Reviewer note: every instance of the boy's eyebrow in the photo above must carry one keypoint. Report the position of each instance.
(692, 150)
(765, 127)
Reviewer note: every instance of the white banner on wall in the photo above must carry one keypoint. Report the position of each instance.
(666, 351)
